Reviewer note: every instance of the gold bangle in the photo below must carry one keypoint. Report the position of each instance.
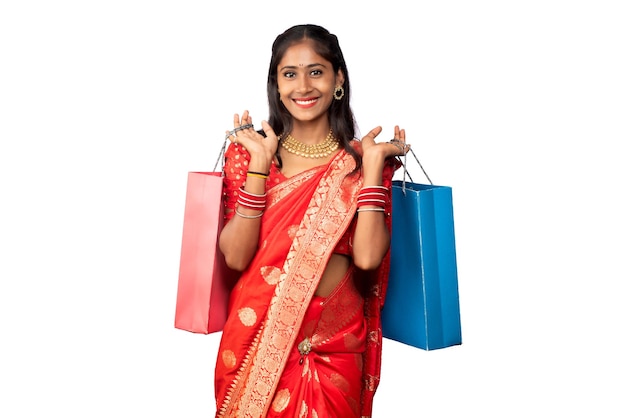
(254, 174)
(258, 174)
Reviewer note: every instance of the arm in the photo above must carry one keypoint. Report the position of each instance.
(240, 236)
(371, 236)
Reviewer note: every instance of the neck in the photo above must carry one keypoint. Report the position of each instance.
(310, 133)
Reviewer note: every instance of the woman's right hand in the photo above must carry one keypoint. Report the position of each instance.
(261, 149)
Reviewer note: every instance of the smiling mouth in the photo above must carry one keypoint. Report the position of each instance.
(305, 102)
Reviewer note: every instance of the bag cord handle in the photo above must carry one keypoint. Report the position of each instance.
(406, 172)
(220, 157)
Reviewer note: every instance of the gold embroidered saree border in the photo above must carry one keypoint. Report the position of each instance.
(325, 220)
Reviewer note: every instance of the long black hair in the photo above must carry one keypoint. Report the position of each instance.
(340, 114)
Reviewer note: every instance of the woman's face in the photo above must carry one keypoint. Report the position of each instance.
(306, 82)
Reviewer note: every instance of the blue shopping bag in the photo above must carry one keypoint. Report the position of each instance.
(422, 302)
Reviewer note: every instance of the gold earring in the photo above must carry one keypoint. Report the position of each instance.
(338, 93)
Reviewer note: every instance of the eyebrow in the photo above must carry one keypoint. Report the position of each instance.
(289, 67)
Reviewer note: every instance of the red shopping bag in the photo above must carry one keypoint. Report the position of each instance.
(204, 280)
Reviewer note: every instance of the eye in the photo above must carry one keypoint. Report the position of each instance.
(289, 74)
(316, 72)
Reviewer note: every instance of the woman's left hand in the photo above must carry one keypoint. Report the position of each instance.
(393, 148)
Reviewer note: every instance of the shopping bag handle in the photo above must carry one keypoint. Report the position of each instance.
(223, 150)
(406, 172)
(220, 157)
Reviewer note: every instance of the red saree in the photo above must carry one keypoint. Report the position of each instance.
(284, 351)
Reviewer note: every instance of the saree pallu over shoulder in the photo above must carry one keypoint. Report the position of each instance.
(305, 217)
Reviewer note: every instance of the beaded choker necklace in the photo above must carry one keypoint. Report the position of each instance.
(321, 150)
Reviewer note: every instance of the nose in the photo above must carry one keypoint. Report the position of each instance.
(304, 85)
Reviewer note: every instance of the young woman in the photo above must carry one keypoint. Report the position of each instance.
(308, 213)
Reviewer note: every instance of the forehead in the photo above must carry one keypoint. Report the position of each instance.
(301, 54)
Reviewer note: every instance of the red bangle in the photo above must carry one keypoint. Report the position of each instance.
(251, 200)
(373, 196)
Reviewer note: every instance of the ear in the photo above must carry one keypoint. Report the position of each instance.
(339, 79)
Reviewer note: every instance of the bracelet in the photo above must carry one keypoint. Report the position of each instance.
(251, 204)
(251, 195)
(373, 195)
(248, 216)
(374, 202)
(370, 210)
(385, 188)
(251, 200)
(257, 174)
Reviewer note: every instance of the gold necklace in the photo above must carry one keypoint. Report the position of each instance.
(321, 150)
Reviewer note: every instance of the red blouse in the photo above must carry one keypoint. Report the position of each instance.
(236, 160)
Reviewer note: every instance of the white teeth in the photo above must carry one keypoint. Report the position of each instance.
(304, 102)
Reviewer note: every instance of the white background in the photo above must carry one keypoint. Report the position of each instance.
(105, 106)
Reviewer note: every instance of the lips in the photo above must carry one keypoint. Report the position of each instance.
(306, 102)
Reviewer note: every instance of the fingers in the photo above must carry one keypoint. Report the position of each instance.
(401, 146)
(399, 140)
(373, 133)
(246, 119)
(245, 122)
(399, 133)
(240, 124)
(269, 132)
(244, 133)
